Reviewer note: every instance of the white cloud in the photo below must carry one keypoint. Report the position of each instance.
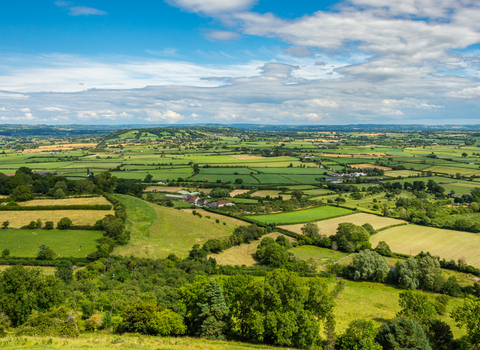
(212, 6)
(221, 35)
(299, 51)
(53, 109)
(85, 11)
(427, 106)
(167, 52)
(87, 115)
(169, 117)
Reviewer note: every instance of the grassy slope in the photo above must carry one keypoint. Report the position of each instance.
(158, 231)
(243, 254)
(447, 244)
(66, 243)
(104, 342)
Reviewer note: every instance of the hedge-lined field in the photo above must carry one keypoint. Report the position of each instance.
(65, 243)
(66, 201)
(299, 216)
(329, 227)
(18, 219)
(448, 244)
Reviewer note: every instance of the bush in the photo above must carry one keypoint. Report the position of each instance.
(48, 225)
(57, 322)
(45, 253)
(149, 318)
(402, 333)
(64, 224)
(370, 266)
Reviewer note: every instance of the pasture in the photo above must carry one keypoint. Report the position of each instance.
(65, 243)
(243, 254)
(18, 219)
(448, 244)
(158, 231)
(299, 216)
(402, 173)
(329, 227)
(66, 201)
(321, 256)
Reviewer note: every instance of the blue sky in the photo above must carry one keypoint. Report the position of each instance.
(240, 61)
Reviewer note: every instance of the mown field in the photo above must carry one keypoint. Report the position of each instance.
(66, 201)
(301, 215)
(18, 219)
(329, 227)
(448, 244)
(65, 243)
(157, 231)
(243, 254)
(321, 256)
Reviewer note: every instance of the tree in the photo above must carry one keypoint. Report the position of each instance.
(64, 271)
(416, 305)
(297, 194)
(386, 211)
(406, 274)
(369, 265)
(383, 249)
(21, 193)
(439, 334)
(239, 181)
(272, 254)
(357, 236)
(64, 224)
(45, 253)
(48, 225)
(214, 312)
(464, 154)
(148, 178)
(5, 253)
(311, 230)
(360, 335)
(59, 194)
(402, 334)
(5, 224)
(468, 316)
(30, 289)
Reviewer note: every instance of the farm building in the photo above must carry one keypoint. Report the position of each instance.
(173, 196)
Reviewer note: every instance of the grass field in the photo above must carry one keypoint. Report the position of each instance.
(18, 219)
(157, 231)
(271, 193)
(452, 170)
(321, 256)
(66, 201)
(111, 341)
(24, 243)
(306, 215)
(243, 254)
(448, 244)
(402, 173)
(329, 227)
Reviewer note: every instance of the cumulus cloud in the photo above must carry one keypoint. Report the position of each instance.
(168, 116)
(53, 109)
(221, 35)
(24, 109)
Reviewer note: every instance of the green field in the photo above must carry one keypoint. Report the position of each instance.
(298, 216)
(321, 256)
(448, 244)
(65, 243)
(157, 231)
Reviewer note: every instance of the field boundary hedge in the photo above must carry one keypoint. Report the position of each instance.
(57, 207)
(390, 226)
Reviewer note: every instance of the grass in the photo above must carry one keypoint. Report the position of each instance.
(157, 231)
(18, 219)
(321, 256)
(243, 254)
(271, 193)
(23, 243)
(402, 173)
(329, 227)
(111, 341)
(306, 215)
(452, 170)
(448, 244)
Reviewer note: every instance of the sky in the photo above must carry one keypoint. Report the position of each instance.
(240, 61)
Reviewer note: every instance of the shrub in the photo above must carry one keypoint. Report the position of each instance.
(94, 323)
(64, 224)
(57, 322)
(368, 265)
(45, 253)
(48, 225)
(59, 194)
(402, 333)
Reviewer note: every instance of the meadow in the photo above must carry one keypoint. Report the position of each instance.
(66, 201)
(65, 243)
(448, 244)
(299, 216)
(158, 231)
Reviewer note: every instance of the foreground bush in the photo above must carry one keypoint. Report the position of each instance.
(149, 318)
(57, 322)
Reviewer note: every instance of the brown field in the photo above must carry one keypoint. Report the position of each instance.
(18, 219)
(329, 227)
(66, 201)
(271, 193)
(58, 147)
(236, 192)
(176, 189)
(369, 134)
(355, 155)
(245, 156)
(361, 166)
(243, 254)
